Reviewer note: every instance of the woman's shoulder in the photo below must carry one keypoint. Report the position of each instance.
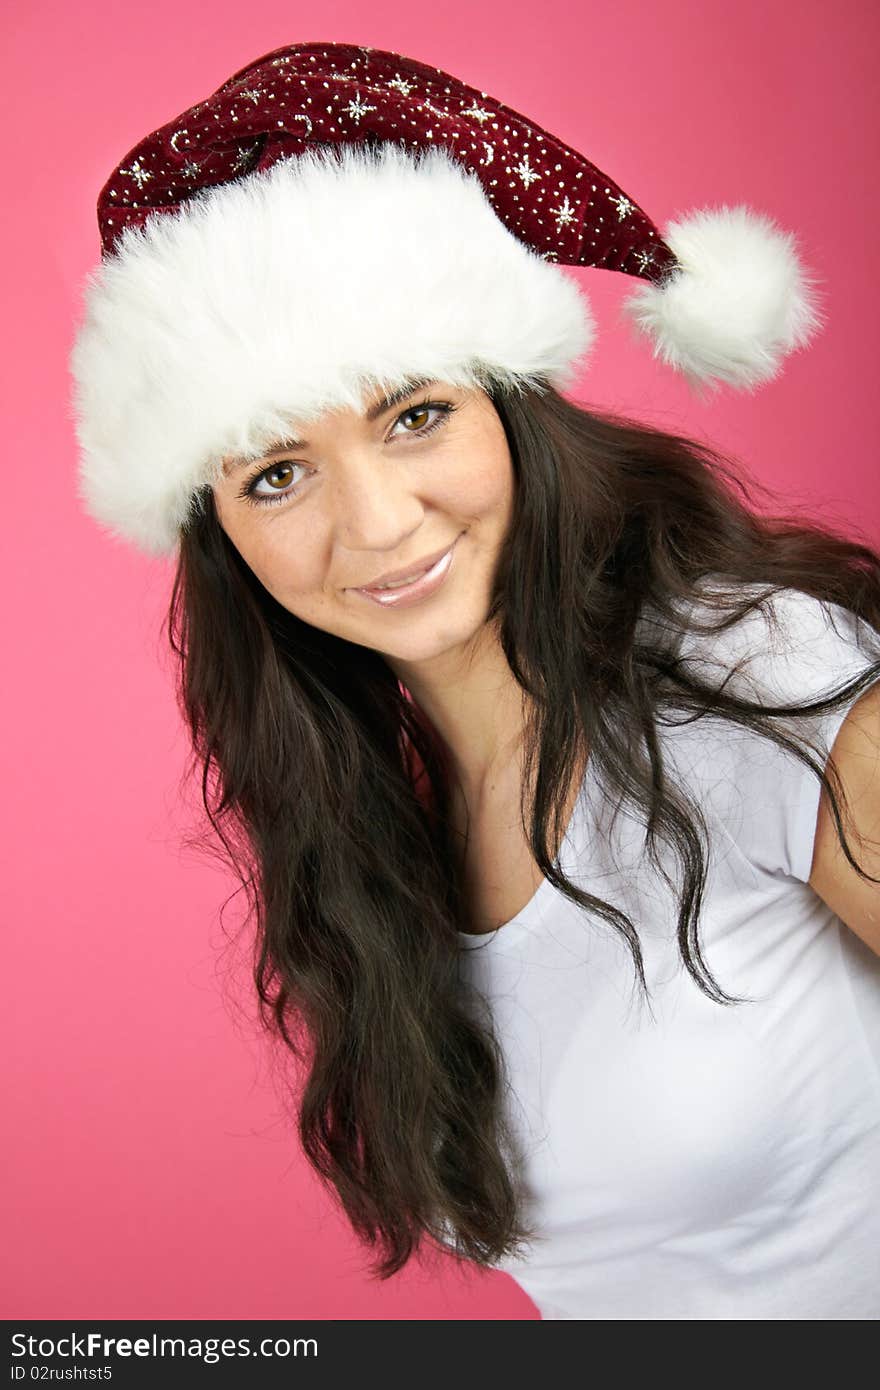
(788, 647)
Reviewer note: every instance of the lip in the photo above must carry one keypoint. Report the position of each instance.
(420, 588)
(391, 576)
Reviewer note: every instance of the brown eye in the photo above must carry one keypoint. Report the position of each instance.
(441, 410)
(274, 483)
(420, 412)
(278, 475)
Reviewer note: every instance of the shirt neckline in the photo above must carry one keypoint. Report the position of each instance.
(527, 916)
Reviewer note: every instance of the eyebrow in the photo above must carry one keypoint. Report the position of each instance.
(376, 409)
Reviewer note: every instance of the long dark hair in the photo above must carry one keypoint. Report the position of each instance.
(330, 794)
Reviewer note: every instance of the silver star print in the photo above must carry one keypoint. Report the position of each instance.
(526, 172)
(136, 172)
(623, 205)
(644, 258)
(428, 106)
(252, 94)
(243, 157)
(190, 169)
(401, 84)
(357, 108)
(478, 113)
(564, 214)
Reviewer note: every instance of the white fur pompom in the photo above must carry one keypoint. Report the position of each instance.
(737, 304)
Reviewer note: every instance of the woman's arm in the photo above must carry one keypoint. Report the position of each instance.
(856, 752)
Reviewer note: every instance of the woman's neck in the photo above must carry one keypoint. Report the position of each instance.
(474, 705)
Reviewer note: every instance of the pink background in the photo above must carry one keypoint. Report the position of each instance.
(150, 1169)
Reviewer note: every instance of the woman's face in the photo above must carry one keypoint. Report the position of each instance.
(370, 493)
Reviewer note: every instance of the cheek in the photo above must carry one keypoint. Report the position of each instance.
(479, 484)
(293, 573)
(286, 565)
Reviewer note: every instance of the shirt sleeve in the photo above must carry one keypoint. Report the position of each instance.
(766, 799)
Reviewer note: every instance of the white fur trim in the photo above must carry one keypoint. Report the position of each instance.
(739, 303)
(266, 301)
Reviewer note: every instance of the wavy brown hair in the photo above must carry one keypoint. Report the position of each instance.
(330, 793)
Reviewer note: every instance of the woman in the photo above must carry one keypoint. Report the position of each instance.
(609, 702)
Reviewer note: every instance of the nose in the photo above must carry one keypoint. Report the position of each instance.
(375, 506)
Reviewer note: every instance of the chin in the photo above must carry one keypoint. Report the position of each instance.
(429, 638)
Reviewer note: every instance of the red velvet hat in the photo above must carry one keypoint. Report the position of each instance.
(337, 219)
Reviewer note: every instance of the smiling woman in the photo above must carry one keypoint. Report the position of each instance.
(585, 748)
(406, 796)
(369, 501)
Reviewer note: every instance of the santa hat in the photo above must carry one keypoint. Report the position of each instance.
(335, 220)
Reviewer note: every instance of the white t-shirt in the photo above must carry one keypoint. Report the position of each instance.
(714, 1162)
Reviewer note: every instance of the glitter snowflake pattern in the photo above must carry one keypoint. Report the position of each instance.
(138, 173)
(526, 172)
(243, 157)
(478, 113)
(564, 214)
(324, 95)
(357, 109)
(436, 111)
(644, 259)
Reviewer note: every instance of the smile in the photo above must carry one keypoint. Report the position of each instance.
(402, 595)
